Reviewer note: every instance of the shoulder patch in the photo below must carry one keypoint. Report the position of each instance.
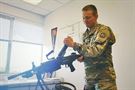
(102, 35)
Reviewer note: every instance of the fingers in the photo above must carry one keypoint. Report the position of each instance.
(68, 39)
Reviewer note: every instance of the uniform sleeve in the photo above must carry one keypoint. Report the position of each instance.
(102, 38)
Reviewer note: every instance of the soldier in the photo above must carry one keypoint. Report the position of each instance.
(96, 52)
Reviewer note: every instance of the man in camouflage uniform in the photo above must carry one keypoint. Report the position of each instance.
(96, 52)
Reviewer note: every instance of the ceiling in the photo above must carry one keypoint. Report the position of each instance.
(43, 8)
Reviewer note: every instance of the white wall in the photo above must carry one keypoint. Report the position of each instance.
(118, 14)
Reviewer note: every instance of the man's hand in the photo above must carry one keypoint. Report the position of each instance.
(69, 42)
(80, 59)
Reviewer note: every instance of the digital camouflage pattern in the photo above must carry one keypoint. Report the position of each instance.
(97, 49)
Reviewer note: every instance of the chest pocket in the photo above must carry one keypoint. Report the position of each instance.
(89, 39)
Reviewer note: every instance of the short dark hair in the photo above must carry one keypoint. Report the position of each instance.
(90, 7)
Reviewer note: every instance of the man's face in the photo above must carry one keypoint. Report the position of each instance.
(89, 19)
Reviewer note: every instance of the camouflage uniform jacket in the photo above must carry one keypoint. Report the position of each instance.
(97, 49)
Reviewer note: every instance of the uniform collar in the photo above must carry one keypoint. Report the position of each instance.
(92, 29)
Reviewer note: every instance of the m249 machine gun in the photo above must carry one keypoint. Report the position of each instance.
(49, 67)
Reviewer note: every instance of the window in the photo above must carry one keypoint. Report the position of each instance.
(21, 43)
(5, 24)
(24, 31)
(3, 55)
(26, 46)
(4, 28)
(22, 56)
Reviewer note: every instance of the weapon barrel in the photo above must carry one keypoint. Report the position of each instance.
(16, 75)
(13, 76)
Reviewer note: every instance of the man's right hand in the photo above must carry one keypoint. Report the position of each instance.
(80, 59)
